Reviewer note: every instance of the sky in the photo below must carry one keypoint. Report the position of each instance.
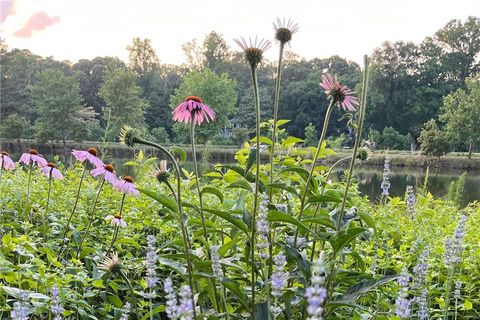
(76, 29)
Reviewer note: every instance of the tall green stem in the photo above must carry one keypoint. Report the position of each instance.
(257, 174)
(276, 103)
(358, 140)
(202, 216)
(91, 217)
(186, 241)
(338, 223)
(45, 217)
(312, 167)
(117, 227)
(74, 207)
(27, 206)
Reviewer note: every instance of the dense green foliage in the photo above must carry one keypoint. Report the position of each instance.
(408, 83)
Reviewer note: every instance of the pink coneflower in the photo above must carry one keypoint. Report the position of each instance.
(34, 157)
(90, 155)
(342, 95)
(6, 162)
(108, 173)
(51, 168)
(116, 220)
(193, 110)
(126, 186)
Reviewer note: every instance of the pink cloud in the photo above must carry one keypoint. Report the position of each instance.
(38, 21)
(7, 8)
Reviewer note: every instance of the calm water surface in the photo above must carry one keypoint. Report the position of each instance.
(370, 179)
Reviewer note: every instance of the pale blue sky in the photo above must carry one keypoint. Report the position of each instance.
(74, 29)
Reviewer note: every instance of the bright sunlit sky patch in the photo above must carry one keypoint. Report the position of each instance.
(75, 29)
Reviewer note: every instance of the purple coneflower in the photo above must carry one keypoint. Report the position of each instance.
(126, 186)
(90, 155)
(116, 220)
(337, 93)
(108, 173)
(193, 110)
(6, 163)
(33, 157)
(284, 30)
(51, 170)
(253, 50)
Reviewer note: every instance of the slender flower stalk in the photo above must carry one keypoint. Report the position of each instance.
(31, 158)
(91, 217)
(402, 303)
(253, 52)
(129, 137)
(263, 229)
(151, 277)
(278, 281)
(410, 194)
(283, 34)
(317, 294)
(55, 306)
(50, 171)
(117, 220)
(454, 247)
(194, 111)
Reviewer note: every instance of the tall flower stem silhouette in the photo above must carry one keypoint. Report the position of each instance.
(49, 171)
(29, 159)
(91, 217)
(358, 136)
(337, 94)
(129, 137)
(89, 156)
(283, 34)
(194, 111)
(253, 55)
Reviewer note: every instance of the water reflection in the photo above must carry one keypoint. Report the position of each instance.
(370, 179)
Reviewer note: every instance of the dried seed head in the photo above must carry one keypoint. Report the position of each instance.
(253, 50)
(110, 264)
(128, 136)
(284, 30)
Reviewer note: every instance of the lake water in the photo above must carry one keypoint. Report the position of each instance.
(370, 179)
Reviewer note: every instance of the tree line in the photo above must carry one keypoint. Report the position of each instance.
(409, 85)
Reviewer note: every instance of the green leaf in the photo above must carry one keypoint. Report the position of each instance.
(214, 191)
(291, 141)
(327, 196)
(177, 266)
(174, 150)
(368, 219)
(228, 245)
(243, 184)
(264, 140)
(115, 300)
(283, 186)
(235, 288)
(467, 305)
(230, 218)
(343, 237)
(160, 308)
(363, 287)
(320, 220)
(277, 216)
(163, 199)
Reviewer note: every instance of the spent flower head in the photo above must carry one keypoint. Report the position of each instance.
(253, 50)
(6, 162)
(192, 109)
(284, 29)
(161, 173)
(339, 94)
(110, 263)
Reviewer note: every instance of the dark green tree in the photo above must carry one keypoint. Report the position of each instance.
(124, 104)
(433, 141)
(142, 58)
(61, 112)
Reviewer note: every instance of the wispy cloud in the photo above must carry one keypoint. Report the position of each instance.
(38, 21)
(7, 7)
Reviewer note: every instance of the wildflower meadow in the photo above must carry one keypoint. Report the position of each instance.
(271, 236)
